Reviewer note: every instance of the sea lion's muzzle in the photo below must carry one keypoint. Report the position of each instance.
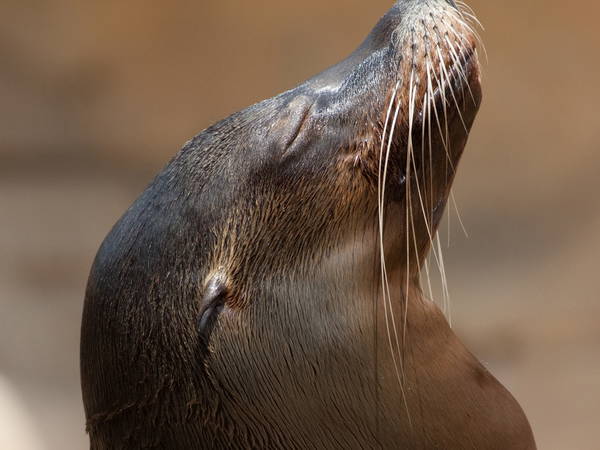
(417, 72)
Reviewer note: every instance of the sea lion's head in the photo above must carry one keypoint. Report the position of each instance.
(385, 127)
(367, 148)
(244, 285)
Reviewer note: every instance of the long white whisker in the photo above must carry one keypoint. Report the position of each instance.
(444, 280)
(462, 225)
(395, 328)
(462, 61)
(451, 89)
(381, 199)
(459, 68)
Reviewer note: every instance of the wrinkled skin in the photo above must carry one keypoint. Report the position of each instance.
(239, 303)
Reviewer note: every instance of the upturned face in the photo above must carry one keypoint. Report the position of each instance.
(240, 287)
(375, 139)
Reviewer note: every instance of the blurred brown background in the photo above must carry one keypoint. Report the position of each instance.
(95, 97)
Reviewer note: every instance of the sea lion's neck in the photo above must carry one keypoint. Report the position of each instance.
(366, 274)
(379, 362)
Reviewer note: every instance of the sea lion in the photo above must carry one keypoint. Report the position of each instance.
(263, 292)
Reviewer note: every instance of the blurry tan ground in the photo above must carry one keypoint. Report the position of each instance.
(97, 96)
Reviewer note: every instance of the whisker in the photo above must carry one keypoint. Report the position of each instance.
(409, 223)
(451, 89)
(381, 199)
(462, 225)
(461, 62)
(444, 280)
(473, 32)
(443, 135)
(429, 286)
(459, 67)
(468, 11)
(393, 320)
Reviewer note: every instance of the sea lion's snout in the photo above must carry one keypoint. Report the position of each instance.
(406, 98)
(411, 88)
(433, 48)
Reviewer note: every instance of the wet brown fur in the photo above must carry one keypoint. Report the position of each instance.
(277, 208)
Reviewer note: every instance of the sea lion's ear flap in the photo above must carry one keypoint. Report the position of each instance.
(213, 301)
